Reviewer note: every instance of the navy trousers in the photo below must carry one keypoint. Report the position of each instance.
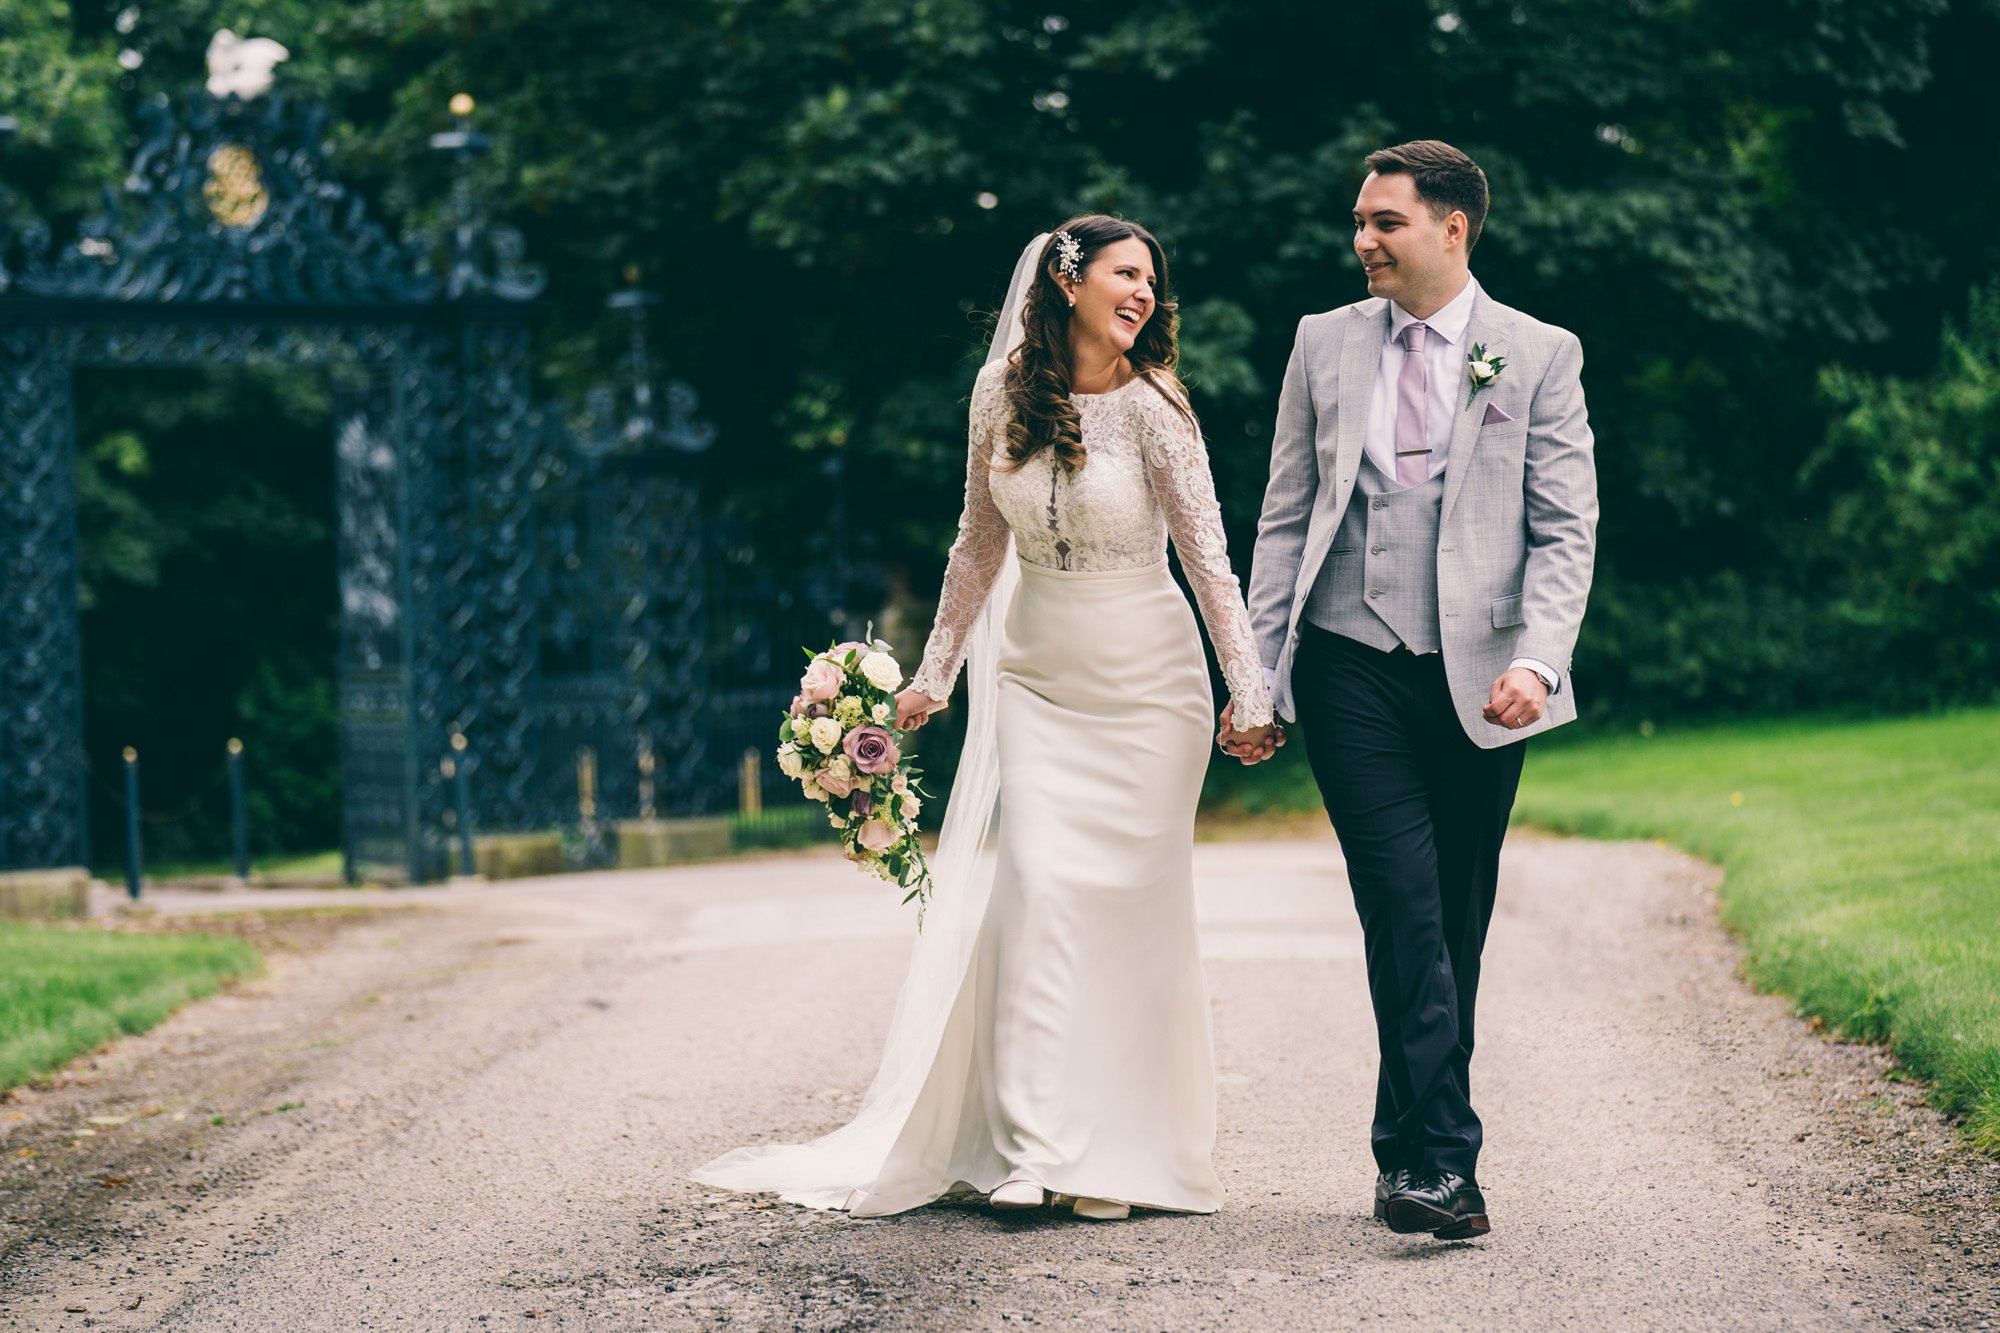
(1420, 812)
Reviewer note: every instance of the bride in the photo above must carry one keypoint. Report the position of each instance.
(1052, 1037)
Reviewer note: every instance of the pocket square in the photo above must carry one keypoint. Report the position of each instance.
(1494, 414)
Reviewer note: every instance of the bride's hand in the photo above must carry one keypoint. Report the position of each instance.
(1255, 745)
(914, 708)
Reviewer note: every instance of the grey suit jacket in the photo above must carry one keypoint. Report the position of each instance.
(1517, 531)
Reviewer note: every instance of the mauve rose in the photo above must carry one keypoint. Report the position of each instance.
(819, 710)
(862, 806)
(872, 749)
(822, 681)
(877, 836)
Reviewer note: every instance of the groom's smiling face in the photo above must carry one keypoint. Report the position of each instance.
(1406, 252)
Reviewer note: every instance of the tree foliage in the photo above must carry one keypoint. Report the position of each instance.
(1912, 542)
(1720, 199)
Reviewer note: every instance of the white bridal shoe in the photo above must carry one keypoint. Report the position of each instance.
(1101, 1210)
(1016, 1194)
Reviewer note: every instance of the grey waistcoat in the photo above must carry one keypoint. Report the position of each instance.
(1379, 583)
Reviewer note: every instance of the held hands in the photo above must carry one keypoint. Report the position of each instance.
(1518, 700)
(1253, 746)
(914, 708)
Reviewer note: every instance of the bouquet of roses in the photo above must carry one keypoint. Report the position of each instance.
(839, 740)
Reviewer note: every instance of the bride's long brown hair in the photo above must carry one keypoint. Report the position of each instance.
(1041, 415)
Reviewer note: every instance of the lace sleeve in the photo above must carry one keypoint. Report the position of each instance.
(976, 554)
(1177, 463)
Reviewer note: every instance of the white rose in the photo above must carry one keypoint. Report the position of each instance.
(882, 714)
(1482, 370)
(813, 791)
(912, 807)
(862, 782)
(839, 767)
(825, 734)
(900, 784)
(882, 671)
(835, 820)
(789, 762)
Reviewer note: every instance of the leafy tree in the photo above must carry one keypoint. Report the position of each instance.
(1911, 545)
(1720, 199)
(207, 570)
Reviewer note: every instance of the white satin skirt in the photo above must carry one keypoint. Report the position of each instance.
(1077, 1052)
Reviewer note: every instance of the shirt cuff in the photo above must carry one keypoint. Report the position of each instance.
(1550, 676)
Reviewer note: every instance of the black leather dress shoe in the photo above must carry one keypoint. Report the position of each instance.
(1448, 1206)
(1386, 1184)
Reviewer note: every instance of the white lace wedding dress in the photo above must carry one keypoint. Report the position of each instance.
(1055, 1026)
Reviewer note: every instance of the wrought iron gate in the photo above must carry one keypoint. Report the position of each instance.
(541, 582)
(233, 244)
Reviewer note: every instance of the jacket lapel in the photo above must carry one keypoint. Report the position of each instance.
(1490, 334)
(1360, 355)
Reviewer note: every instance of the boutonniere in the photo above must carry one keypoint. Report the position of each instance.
(1481, 369)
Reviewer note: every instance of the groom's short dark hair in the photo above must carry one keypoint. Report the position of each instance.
(1445, 178)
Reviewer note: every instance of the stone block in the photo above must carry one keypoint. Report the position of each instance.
(665, 842)
(45, 895)
(517, 855)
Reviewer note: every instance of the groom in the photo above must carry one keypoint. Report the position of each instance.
(1421, 569)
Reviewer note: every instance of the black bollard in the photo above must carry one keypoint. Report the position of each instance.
(132, 823)
(239, 820)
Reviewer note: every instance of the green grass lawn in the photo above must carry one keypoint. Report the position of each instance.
(1861, 859)
(65, 990)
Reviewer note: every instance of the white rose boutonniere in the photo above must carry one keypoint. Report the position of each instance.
(1482, 370)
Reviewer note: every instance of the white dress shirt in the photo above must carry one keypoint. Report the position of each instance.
(1444, 357)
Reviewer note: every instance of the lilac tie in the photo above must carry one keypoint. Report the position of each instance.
(1413, 396)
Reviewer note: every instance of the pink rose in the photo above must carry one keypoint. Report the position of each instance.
(840, 653)
(877, 836)
(872, 749)
(834, 782)
(821, 682)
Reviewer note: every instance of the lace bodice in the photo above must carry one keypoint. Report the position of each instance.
(1146, 478)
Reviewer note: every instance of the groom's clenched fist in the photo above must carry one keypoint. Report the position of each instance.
(1517, 700)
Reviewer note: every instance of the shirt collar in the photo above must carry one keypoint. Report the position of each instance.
(1448, 323)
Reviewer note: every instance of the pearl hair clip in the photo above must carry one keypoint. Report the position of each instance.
(1069, 257)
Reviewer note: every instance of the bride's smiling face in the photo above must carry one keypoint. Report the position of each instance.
(1115, 298)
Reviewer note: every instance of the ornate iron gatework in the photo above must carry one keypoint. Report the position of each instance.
(233, 243)
(234, 205)
(624, 685)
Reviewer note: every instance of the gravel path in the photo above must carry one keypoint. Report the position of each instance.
(481, 1109)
